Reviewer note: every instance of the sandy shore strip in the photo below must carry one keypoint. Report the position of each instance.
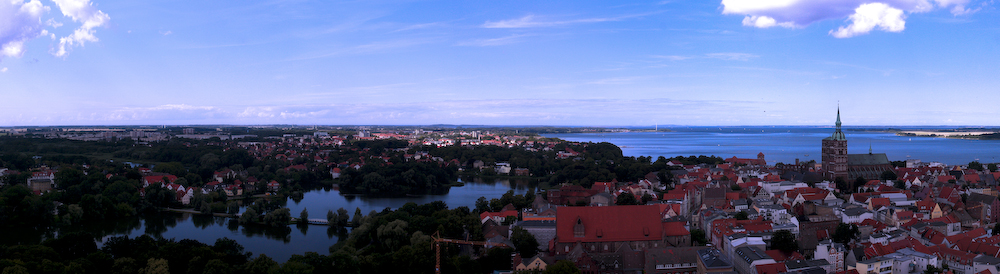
(947, 134)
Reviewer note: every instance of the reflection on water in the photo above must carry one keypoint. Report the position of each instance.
(279, 243)
(318, 202)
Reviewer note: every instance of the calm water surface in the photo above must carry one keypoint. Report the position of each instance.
(278, 243)
(785, 144)
(318, 202)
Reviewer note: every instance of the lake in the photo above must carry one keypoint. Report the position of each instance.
(278, 243)
(318, 202)
(785, 144)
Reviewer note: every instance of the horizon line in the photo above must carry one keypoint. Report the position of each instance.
(483, 125)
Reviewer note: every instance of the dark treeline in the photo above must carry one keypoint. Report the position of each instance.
(79, 253)
(401, 240)
(398, 178)
(600, 162)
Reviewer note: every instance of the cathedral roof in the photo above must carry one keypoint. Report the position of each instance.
(867, 159)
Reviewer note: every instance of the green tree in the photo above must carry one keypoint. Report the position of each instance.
(295, 268)
(482, 205)
(646, 198)
(68, 177)
(16, 269)
(845, 233)
(524, 242)
(992, 167)
(698, 237)
(393, 234)
(304, 216)
(900, 184)
(174, 168)
(626, 199)
(278, 217)
(996, 229)
(859, 182)
(156, 266)
(125, 266)
(888, 175)
(342, 217)
(976, 165)
(233, 207)
(249, 216)
(562, 267)
(260, 265)
(742, 215)
(210, 161)
(216, 266)
(785, 241)
(357, 217)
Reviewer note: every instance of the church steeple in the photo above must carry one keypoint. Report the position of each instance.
(835, 163)
(838, 118)
(838, 135)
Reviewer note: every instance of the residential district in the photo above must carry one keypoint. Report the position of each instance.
(849, 213)
(914, 218)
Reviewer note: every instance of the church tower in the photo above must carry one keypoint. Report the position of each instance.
(835, 154)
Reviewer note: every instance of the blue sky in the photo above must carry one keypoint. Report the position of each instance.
(593, 63)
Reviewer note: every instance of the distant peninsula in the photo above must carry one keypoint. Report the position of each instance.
(962, 133)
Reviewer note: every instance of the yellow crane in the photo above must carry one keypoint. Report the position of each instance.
(438, 240)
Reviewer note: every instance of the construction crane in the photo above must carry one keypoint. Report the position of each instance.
(437, 247)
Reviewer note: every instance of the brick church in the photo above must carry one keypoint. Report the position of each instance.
(837, 163)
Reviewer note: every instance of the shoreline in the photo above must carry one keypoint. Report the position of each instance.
(963, 135)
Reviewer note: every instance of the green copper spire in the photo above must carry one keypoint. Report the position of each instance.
(838, 135)
(838, 118)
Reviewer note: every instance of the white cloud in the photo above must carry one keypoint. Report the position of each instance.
(420, 26)
(727, 56)
(19, 22)
(615, 81)
(530, 21)
(885, 15)
(165, 33)
(764, 22)
(257, 112)
(870, 16)
(673, 57)
(494, 41)
(3, 70)
(180, 107)
(53, 23)
(81, 11)
(732, 56)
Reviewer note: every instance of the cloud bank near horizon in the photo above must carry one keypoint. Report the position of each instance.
(528, 112)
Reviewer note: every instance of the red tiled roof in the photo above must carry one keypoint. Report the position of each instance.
(780, 257)
(502, 214)
(674, 229)
(159, 178)
(609, 223)
(774, 268)
(877, 203)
